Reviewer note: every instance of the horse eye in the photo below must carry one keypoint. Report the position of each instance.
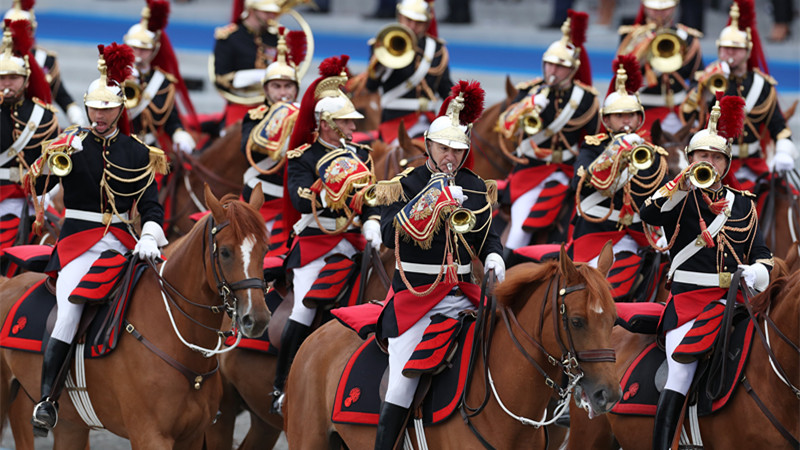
(225, 253)
(576, 322)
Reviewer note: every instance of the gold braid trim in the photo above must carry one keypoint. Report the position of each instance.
(388, 192)
(491, 191)
(158, 161)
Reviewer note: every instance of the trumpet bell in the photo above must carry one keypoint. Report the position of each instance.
(60, 164)
(133, 93)
(717, 83)
(666, 52)
(531, 123)
(462, 220)
(642, 157)
(703, 175)
(394, 46)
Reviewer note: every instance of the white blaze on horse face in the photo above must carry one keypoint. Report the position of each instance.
(597, 305)
(248, 244)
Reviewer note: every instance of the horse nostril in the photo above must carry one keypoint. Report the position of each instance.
(247, 323)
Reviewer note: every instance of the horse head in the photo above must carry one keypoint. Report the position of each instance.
(492, 153)
(238, 244)
(389, 160)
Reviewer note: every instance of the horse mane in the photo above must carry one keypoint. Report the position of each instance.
(243, 219)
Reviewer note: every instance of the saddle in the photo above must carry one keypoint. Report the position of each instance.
(441, 360)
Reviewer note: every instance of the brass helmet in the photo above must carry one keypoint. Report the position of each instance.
(417, 10)
(464, 106)
(106, 92)
(563, 52)
(732, 35)
(625, 97)
(273, 6)
(710, 140)
(331, 102)
(281, 68)
(11, 63)
(140, 36)
(22, 12)
(660, 4)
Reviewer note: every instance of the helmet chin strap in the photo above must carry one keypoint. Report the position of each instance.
(326, 116)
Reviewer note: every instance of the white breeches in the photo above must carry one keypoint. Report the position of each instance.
(69, 314)
(14, 206)
(400, 390)
(521, 208)
(626, 244)
(304, 278)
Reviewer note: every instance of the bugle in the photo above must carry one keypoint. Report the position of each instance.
(132, 91)
(60, 163)
(461, 220)
(531, 122)
(642, 157)
(666, 51)
(702, 174)
(394, 46)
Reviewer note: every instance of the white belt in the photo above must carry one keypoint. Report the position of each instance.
(91, 216)
(412, 104)
(432, 269)
(661, 100)
(525, 149)
(751, 148)
(10, 174)
(267, 188)
(601, 211)
(702, 278)
(307, 220)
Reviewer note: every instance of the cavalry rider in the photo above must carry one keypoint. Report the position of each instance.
(669, 55)
(48, 61)
(26, 120)
(547, 122)
(266, 129)
(324, 171)
(110, 173)
(742, 70)
(712, 231)
(155, 82)
(411, 85)
(434, 253)
(615, 173)
(243, 49)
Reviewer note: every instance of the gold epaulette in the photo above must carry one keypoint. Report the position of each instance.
(523, 85)
(158, 159)
(586, 87)
(258, 113)
(625, 29)
(44, 105)
(298, 152)
(388, 191)
(170, 77)
(491, 191)
(691, 31)
(595, 139)
(221, 33)
(660, 150)
(766, 76)
(746, 193)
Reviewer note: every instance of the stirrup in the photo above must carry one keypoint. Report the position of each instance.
(277, 402)
(45, 417)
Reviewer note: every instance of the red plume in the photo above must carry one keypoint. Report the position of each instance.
(474, 96)
(297, 45)
(731, 120)
(632, 70)
(22, 35)
(333, 66)
(119, 62)
(159, 13)
(26, 5)
(747, 19)
(579, 23)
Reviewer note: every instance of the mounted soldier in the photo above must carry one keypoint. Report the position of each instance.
(712, 231)
(741, 70)
(546, 123)
(156, 84)
(26, 121)
(442, 211)
(266, 129)
(327, 177)
(412, 78)
(48, 61)
(104, 173)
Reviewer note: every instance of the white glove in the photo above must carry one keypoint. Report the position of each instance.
(662, 241)
(495, 261)
(76, 116)
(633, 139)
(541, 101)
(152, 238)
(183, 141)
(785, 154)
(725, 68)
(249, 77)
(322, 200)
(756, 276)
(372, 233)
(458, 193)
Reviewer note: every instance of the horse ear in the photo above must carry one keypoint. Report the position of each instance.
(403, 138)
(566, 266)
(214, 205)
(792, 256)
(656, 133)
(257, 197)
(511, 90)
(606, 258)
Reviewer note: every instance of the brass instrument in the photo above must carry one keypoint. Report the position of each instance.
(666, 51)
(60, 163)
(371, 195)
(132, 91)
(531, 122)
(642, 157)
(703, 175)
(461, 220)
(717, 83)
(394, 46)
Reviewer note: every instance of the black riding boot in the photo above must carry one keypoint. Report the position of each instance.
(668, 412)
(45, 414)
(294, 333)
(390, 424)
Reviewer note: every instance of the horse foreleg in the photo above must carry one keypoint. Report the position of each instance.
(220, 434)
(19, 415)
(261, 435)
(70, 436)
(589, 433)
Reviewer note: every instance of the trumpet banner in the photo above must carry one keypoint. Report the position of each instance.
(424, 214)
(340, 171)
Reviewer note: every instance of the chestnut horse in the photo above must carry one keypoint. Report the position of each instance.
(215, 268)
(389, 160)
(741, 422)
(516, 359)
(780, 214)
(491, 161)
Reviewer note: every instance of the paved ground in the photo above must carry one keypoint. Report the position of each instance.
(505, 39)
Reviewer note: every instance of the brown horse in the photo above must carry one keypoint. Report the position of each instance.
(515, 357)
(491, 161)
(741, 422)
(366, 102)
(220, 166)
(779, 218)
(134, 392)
(389, 160)
(674, 144)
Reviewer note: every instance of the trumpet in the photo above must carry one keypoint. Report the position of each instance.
(531, 122)
(132, 91)
(371, 195)
(461, 220)
(60, 163)
(666, 51)
(642, 157)
(394, 46)
(702, 174)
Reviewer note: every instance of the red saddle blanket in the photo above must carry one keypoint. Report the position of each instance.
(358, 394)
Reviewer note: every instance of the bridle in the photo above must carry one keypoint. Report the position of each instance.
(569, 362)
